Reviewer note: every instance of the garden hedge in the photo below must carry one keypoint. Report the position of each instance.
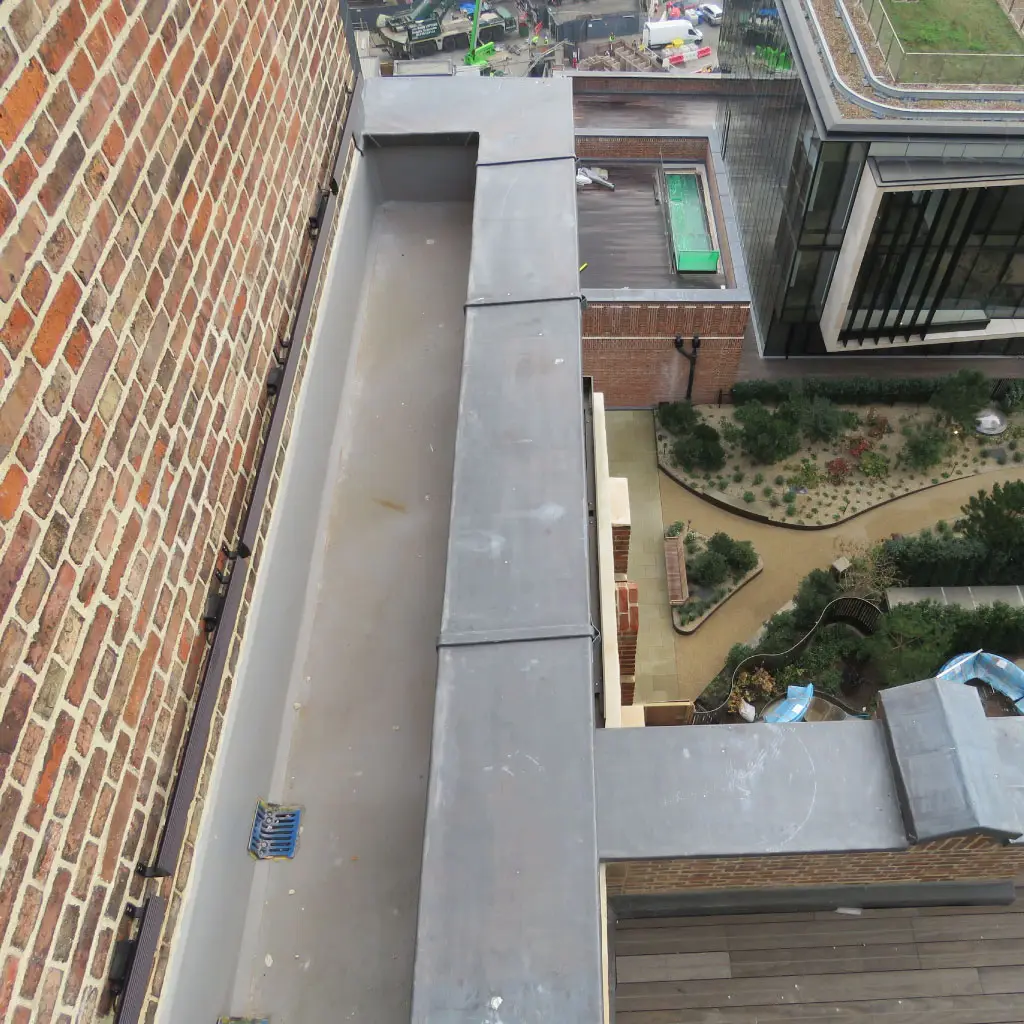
(843, 390)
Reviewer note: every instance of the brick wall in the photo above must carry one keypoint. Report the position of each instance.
(630, 351)
(620, 547)
(157, 164)
(635, 147)
(627, 601)
(957, 859)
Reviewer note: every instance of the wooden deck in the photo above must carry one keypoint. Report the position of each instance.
(920, 966)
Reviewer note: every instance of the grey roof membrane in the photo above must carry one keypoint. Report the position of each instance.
(946, 762)
(509, 921)
(1008, 735)
(733, 790)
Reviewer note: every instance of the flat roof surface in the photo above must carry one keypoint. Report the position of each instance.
(638, 112)
(739, 790)
(509, 917)
(624, 235)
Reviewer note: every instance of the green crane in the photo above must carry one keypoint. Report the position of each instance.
(478, 56)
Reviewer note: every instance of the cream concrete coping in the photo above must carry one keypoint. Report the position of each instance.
(606, 570)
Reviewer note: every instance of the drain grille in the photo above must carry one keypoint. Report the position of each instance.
(275, 831)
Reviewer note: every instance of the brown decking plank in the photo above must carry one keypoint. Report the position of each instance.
(843, 931)
(822, 988)
(671, 940)
(854, 959)
(999, 980)
(993, 1009)
(972, 953)
(672, 967)
(968, 927)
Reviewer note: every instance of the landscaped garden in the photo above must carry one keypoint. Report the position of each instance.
(815, 452)
(912, 641)
(716, 567)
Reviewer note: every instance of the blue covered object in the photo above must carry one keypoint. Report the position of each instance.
(794, 707)
(999, 673)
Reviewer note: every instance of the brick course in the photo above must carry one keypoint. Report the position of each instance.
(627, 602)
(961, 858)
(157, 165)
(629, 350)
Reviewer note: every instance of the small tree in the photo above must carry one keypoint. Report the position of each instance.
(818, 418)
(961, 396)
(738, 554)
(816, 590)
(997, 521)
(700, 448)
(926, 446)
(767, 437)
(708, 569)
(678, 417)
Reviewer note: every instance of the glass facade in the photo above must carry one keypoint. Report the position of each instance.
(793, 195)
(941, 260)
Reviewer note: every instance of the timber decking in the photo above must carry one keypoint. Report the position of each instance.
(934, 965)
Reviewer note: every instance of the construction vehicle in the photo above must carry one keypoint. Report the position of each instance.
(433, 26)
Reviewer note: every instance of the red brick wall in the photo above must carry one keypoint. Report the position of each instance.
(630, 351)
(157, 164)
(620, 549)
(627, 598)
(960, 859)
(613, 147)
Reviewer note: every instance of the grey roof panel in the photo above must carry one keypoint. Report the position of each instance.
(527, 214)
(509, 923)
(513, 124)
(739, 790)
(1008, 734)
(945, 761)
(517, 556)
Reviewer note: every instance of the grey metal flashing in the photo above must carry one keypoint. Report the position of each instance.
(509, 920)
(706, 296)
(516, 636)
(133, 999)
(946, 763)
(904, 171)
(1008, 736)
(745, 790)
(815, 898)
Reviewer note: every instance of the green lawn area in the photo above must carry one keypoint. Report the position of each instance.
(953, 26)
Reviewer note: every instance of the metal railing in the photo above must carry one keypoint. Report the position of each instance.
(919, 67)
(852, 611)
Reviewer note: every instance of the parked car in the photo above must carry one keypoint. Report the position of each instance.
(711, 13)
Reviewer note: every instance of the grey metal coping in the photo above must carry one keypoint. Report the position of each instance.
(745, 790)
(903, 170)
(1008, 735)
(509, 918)
(946, 762)
(969, 597)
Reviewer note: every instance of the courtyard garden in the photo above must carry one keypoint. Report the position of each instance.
(716, 567)
(912, 641)
(816, 452)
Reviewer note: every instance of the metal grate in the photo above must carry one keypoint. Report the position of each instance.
(275, 831)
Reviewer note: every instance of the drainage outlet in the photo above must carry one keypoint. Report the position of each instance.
(275, 831)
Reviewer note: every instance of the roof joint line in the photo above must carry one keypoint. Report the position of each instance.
(517, 635)
(484, 303)
(528, 160)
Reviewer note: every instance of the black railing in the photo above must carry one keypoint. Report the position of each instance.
(851, 611)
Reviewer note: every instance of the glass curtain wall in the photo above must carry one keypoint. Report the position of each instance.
(793, 193)
(941, 260)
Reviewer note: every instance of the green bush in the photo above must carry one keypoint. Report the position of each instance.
(708, 569)
(739, 555)
(926, 446)
(780, 480)
(817, 418)
(816, 589)
(930, 560)
(674, 529)
(1013, 396)
(843, 391)
(737, 477)
(766, 491)
(758, 479)
(874, 465)
(731, 433)
(700, 448)
(678, 417)
(749, 497)
(768, 437)
(961, 396)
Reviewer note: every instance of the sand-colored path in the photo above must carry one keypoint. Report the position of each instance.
(788, 554)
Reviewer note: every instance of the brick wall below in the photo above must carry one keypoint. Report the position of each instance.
(962, 858)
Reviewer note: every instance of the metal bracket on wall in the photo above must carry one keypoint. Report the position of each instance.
(275, 378)
(317, 220)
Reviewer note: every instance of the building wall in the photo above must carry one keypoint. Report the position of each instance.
(641, 147)
(957, 859)
(630, 351)
(158, 163)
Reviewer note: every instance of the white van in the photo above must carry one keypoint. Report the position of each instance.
(663, 33)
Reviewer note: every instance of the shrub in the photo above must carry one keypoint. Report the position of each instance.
(818, 418)
(858, 446)
(874, 465)
(737, 477)
(678, 417)
(780, 480)
(766, 491)
(767, 437)
(961, 396)
(926, 446)
(816, 590)
(749, 497)
(739, 555)
(690, 543)
(791, 509)
(731, 433)
(1001, 457)
(708, 569)
(844, 391)
(996, 521)
(838, 470)
(699, 449)
(674, 530)
(758, 479)
(1013, 396)
(930, 560)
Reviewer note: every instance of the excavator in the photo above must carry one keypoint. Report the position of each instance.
(434, 26)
